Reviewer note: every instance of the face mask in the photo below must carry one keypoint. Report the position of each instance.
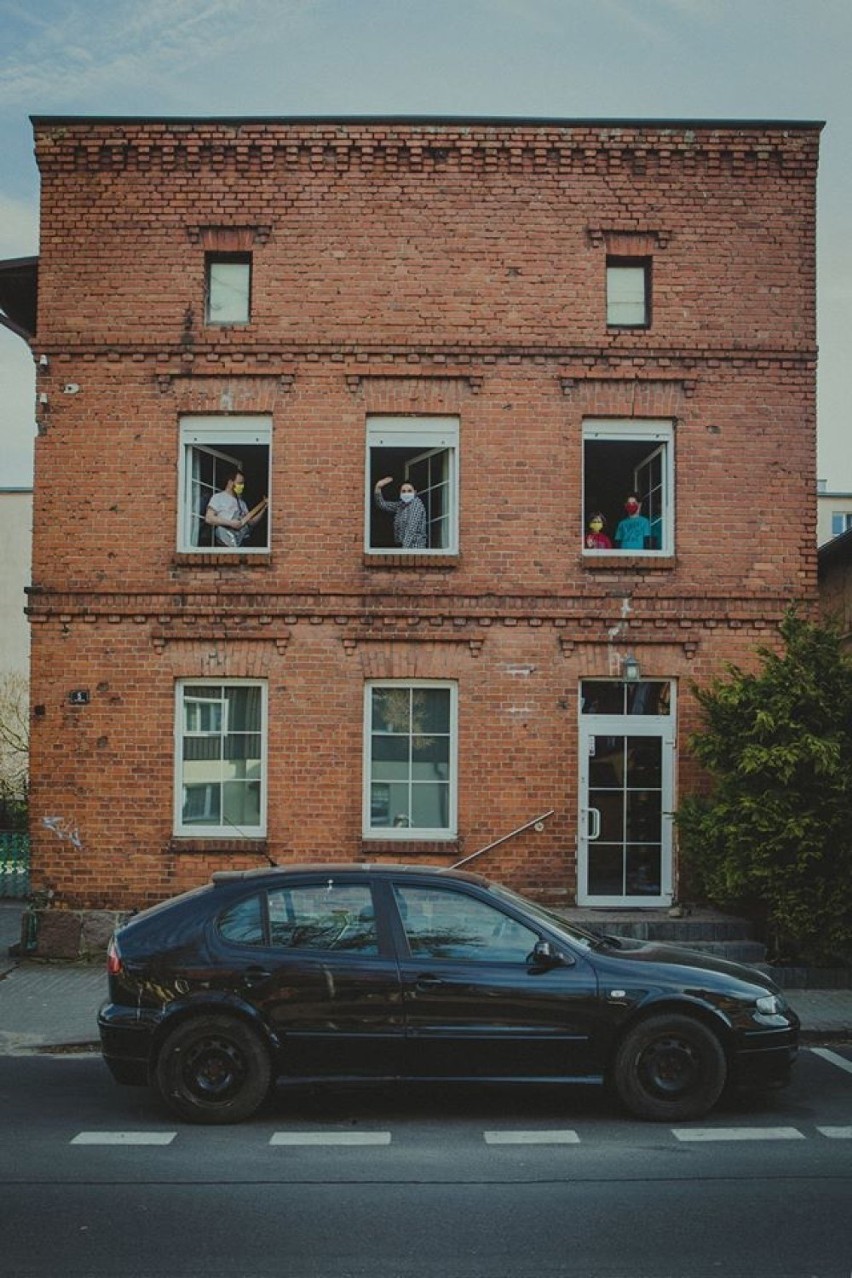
(406, 497)
(632, 507)
(238, 488)
(596, 525)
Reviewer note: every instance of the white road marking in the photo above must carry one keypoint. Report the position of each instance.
(532, 1138)
(124, 1138)
(833, 1058)
(330, 1138)
(836, 1133)
(737, 1133)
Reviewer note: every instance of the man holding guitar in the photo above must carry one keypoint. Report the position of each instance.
(229, 516)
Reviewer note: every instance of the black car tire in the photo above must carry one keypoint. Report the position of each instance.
(669, 1068)
(213, 1069)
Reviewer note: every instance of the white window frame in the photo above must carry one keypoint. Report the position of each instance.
(239, 312)
(215, 435)
(408, 834)
(422, 435)
(632, 430)
(221, 830)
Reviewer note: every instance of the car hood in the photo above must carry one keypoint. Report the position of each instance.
(661, 953)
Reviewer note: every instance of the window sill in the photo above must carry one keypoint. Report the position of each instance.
(192, 845)
(620, 561)
(411, 559)
(222, 558)
(402, 848)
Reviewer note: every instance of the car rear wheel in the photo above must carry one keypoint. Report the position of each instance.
(213, 1069)
(670, 1068)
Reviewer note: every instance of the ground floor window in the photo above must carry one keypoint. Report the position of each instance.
(220, 753)
(213, 452)
(410, 742)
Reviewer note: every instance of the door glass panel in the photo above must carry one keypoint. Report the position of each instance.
(606, 869)
(614, 696)
(643, 867)
(610, 805)
(644, 763)
(606, 765)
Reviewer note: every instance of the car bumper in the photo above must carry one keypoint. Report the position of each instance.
(126, 1037)
(765, 1058)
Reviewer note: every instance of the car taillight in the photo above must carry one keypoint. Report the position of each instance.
(114, 964)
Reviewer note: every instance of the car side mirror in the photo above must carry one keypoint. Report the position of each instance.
(544, 955)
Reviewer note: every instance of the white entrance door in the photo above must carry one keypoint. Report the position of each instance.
(624, 839)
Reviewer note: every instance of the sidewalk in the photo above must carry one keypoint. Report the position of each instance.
(51, 1005)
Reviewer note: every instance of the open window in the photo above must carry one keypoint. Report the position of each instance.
(227, 288)
(421, 452)
(212, 448)
(220, 758)
(628, 292)
(623, 458)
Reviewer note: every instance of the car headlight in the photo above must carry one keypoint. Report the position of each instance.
(770, 1005)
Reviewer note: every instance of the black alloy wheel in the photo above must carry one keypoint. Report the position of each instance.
(670, 1068)
(213, 1069)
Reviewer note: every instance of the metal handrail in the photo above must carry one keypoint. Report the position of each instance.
(497, 842)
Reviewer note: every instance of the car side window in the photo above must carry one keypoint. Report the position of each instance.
(443, 924)
(324, 916)
(242, 924)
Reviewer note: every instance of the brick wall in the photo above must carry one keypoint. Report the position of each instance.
(430, 269)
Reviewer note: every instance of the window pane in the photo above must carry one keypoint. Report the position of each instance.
(228, 292)
(319, 917)
(603, 696)
(430, 806)
(390, 758)
(391, 710)
(430, 758)
(643, 870)
(241, 802)
(431, 710)
(450, 925)
(243, 709)
(606, 870)
(243, 923)
(201, 804)
(389, 805)
(626, 300)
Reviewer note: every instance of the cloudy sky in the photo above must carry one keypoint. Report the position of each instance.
(710, 59)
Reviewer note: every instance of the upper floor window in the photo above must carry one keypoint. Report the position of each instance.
(841, 522)
(410, 760)
(628, 292)
(224, 484)
(227, 293)
(628, 487)
(220, 758)
(412, 485)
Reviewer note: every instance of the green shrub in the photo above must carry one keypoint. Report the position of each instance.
(773, 838)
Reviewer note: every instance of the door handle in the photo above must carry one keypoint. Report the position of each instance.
(594, 824)
(254, 974)
(427, 982)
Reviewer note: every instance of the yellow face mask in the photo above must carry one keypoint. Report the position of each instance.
(238, 489)
(596, 525)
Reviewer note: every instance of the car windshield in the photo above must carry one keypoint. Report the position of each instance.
(578, 935)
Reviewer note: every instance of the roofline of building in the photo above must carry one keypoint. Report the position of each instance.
(489, 121)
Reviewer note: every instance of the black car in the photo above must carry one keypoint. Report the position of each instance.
(394, 972)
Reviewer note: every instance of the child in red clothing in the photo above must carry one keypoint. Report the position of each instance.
(596, 538)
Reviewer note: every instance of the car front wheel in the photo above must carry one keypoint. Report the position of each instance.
(670, 1068)
(213, 1069)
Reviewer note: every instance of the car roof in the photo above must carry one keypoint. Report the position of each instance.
(357, 868)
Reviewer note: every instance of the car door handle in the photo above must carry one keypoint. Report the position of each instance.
(427, 982)
(254, 974)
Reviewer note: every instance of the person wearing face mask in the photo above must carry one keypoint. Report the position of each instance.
(634, 531)
(596, 538)
(228, 514)
(409, 515)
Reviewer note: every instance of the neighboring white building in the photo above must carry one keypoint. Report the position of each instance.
(834, 513)
(16, 512)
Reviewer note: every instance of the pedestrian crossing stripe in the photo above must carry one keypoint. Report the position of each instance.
(124, 1138)
(505, 1137)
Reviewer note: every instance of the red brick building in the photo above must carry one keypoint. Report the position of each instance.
(527, 321)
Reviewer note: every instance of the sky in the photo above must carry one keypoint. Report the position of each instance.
(575, 59)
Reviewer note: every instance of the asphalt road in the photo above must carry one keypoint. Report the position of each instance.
(97, 1180)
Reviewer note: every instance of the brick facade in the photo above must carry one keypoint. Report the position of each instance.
(402, 269)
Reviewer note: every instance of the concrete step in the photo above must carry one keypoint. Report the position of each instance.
(705, 930)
